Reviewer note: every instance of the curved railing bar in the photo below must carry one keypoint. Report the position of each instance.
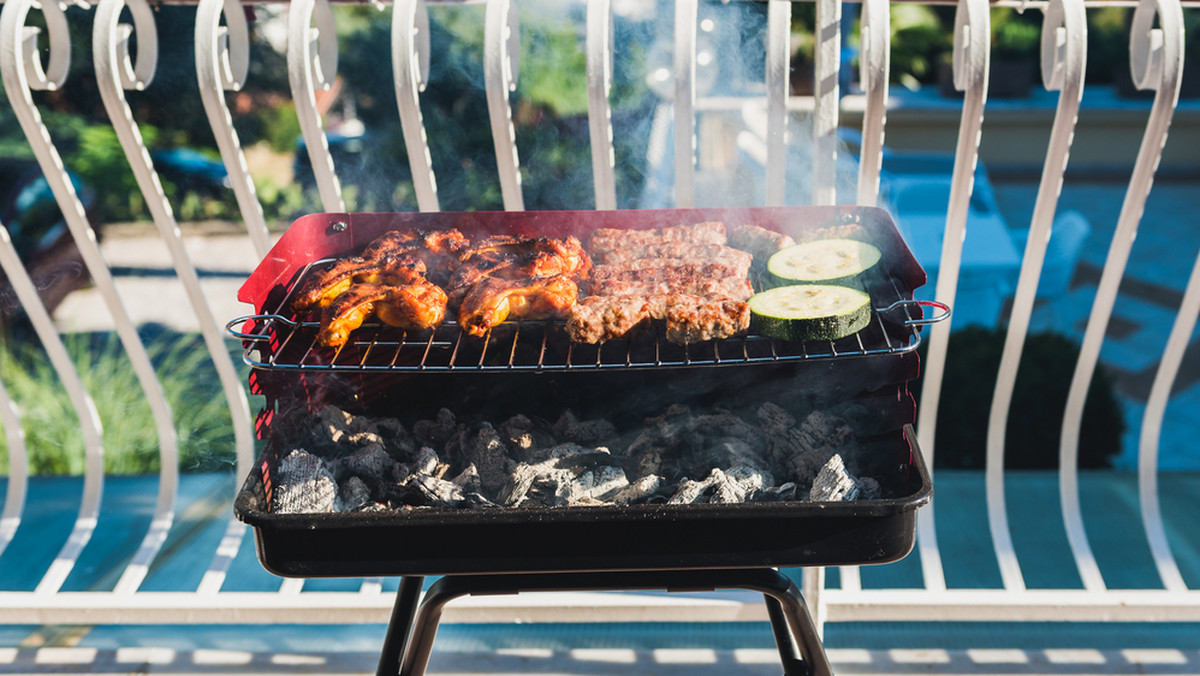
(17, 66)
(222, 60)
(684, 102)
(1152, 420)
(501, 65)
(410, 67)
(1156, 59)
(18, 458)
(110, 52)
(827, 59)
(599, 86)
(874, 74)
(312, 56)
(85, 410)
(18, 43)
(779, 25)
(971, 58)
(1064, 58)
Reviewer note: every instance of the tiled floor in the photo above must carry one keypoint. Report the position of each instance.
(1158, 270)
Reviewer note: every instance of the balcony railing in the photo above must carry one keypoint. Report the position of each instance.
(35, 56)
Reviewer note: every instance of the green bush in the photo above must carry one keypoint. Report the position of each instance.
(1039, 399)
(54, 442)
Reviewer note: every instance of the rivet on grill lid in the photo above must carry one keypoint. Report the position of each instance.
(339, 226)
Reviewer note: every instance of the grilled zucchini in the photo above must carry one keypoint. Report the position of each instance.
(805, 312)
(823, 261)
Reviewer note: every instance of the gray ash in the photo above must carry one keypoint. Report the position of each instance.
(337, 461)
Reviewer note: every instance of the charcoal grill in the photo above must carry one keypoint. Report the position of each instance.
(532, 364)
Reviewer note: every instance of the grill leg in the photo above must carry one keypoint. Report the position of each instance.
(396, 639)
(800, 648)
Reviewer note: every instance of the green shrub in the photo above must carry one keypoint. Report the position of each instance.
(1039, 399)
(54, 442)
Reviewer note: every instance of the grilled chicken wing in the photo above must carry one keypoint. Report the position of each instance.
(439, 250)
(493, 300)
(517, 258)
(391, 267)
(418, 305)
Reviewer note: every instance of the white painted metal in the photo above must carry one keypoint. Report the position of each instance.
(1160, 392)
(684, 101)
(827, 58)
(1156, 404)
(115, 71)
(1156, 54)
(410, 68)
(22, 67)
(971, 59)
(312, 55)
(1064, 56)
(1156, 59)
(778, 82)
(18, 460)
(599, 84)
(85, 410)
(222, 61)
(501, 62)
(874, 73)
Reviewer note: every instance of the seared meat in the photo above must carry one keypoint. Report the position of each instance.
(517, 258)
(604, 241)
(671, 249)
(674, 270)
(692, 319)
(412, 306)
(390, 267)
(493, 300)
(759, 241)
(683, 275)
(598, 318)
(728, 287)
(439, 250)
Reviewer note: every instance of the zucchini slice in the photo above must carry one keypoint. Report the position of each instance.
(823, 261)
(810, 312)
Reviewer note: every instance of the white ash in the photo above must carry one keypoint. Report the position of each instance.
(303, 485)
(638, 491)
(468, 480)
(803, 449)
(358, 463)
(567, 474)
(835, 484)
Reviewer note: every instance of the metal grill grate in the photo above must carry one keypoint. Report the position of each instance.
(274, 341)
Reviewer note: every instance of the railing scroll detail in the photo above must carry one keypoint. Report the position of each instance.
(1156, 61)
(971, 60)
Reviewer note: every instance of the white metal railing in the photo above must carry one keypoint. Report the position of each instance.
(221, 57)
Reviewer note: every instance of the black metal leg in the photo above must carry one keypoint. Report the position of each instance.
(800, 647)
(396, 639)
(789, 656)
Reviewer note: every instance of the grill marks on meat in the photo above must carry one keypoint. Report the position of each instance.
(516, 277)
(420, 305)
(684, 276)
(606, 241)
(493, 300)
(388, 280)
